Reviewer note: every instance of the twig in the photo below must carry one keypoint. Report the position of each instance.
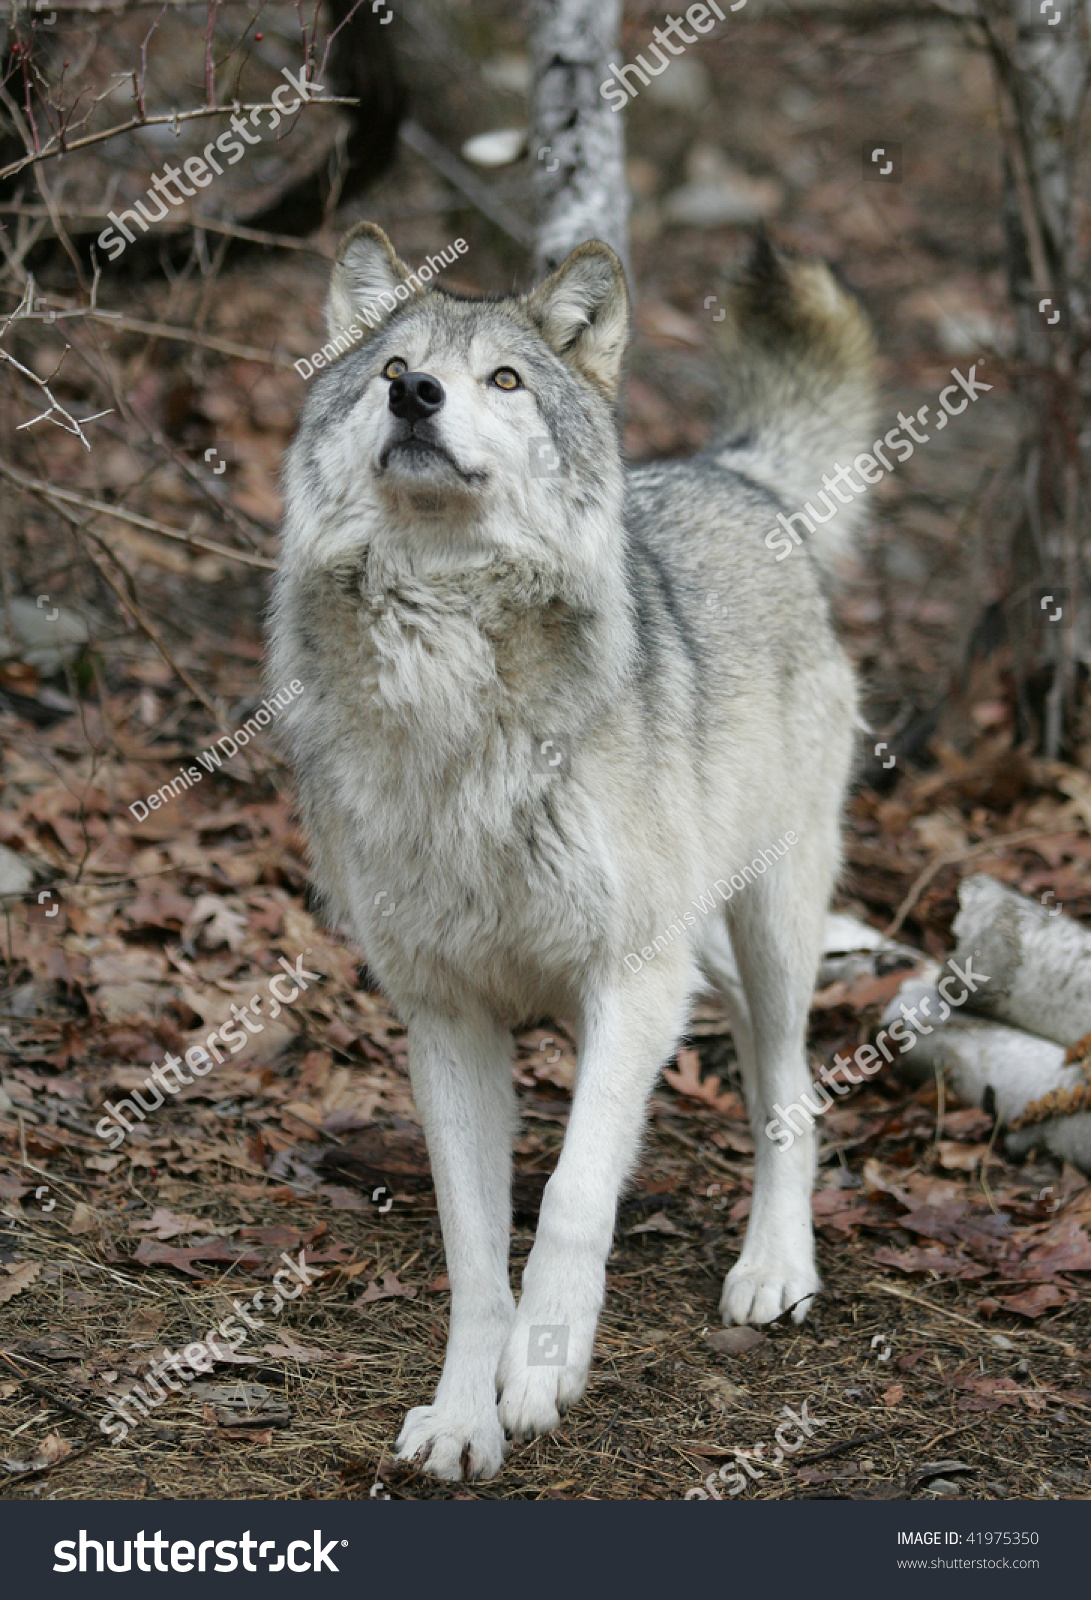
(1013, 1333)
(55, 148)
(47, 491)
(839, 1449)
(457, 173)
(208, 341)
(47, 1394)
(952, 858)
(128, 601)
(23, 312)
(234, 230)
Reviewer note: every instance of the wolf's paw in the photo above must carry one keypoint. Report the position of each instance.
(542, 1371)
(451, 1446)
(760, 1291)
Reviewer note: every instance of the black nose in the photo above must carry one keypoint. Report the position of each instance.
(415, 395)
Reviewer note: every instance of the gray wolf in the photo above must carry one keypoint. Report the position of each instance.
(528, 743)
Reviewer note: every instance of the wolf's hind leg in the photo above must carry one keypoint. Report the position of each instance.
(776, 932)
(462, 1084)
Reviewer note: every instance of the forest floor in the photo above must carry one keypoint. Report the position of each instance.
(949, 1346)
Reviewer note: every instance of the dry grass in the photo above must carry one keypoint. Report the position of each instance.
(663, 1408)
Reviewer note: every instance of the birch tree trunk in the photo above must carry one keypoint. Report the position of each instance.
(577, 143)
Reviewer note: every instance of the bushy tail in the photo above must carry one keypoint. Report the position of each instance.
(798, 355)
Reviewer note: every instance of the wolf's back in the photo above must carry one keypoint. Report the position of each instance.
(800, 390)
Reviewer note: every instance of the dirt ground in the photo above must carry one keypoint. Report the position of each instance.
(948, 1354)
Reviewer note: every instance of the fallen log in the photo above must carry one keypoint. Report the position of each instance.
(1039, 1091)
(1037, 960)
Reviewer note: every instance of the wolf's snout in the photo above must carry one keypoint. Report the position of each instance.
(415, 395)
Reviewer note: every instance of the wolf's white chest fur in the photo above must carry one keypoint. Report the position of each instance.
(496, 867)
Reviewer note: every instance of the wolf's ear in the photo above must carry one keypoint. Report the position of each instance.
(583, 313)
(365, 281)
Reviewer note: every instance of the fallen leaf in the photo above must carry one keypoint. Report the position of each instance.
(167, 1224)
(150, 1253)
(843, 1209)
(390, 1289)
(342, 1199)
(1036, 1301)
(84, 1220)
(1066, 1248)
(894, 1395)
(440, 1285)
(51, 1450)
(658, 1222)
(215, 922)
(395, 1156)
(934, 1261)
(308, 1117)
(960, 1157)
(17, 1278)
(863, 991)
(970, 1123)
(687, 1080)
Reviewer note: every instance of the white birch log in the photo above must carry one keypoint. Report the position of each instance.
(577, 143)
(1038, 961)
(989, 1064)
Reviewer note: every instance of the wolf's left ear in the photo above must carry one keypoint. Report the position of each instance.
(583, 313)
(366, 279)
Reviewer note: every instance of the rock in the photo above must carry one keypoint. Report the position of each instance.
(500, 148)
(16, 874)
(43, 635)
(717, 193)
(685, 86)
(509, 71)
(735, 1341)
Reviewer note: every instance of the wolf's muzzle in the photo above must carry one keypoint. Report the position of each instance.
(415, 395)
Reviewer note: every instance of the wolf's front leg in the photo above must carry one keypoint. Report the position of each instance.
(462, 1084)
(628, 1031)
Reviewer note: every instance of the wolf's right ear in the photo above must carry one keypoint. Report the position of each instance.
(366, 279)
(583, 313)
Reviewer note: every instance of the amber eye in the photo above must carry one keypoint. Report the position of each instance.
(505, 378)
(395, 368)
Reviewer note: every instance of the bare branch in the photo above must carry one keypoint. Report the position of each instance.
(49, 492)
(56, 147)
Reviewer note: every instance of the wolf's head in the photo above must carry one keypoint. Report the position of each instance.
(462, 428)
